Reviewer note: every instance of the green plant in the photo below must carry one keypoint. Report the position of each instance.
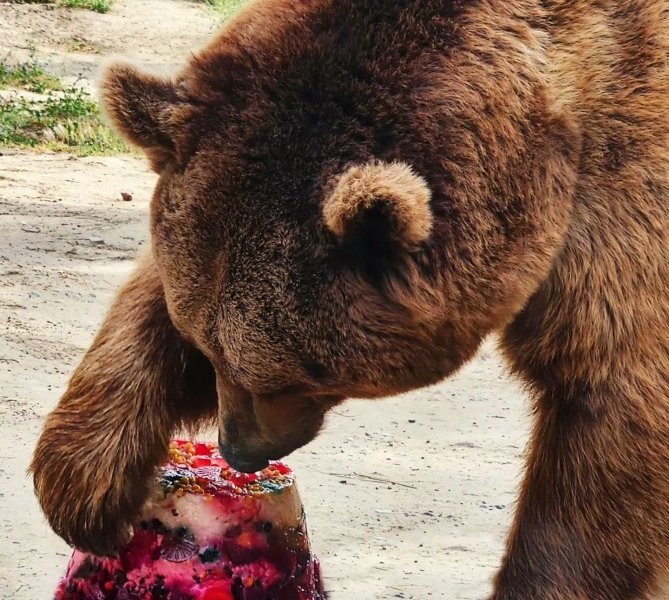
(225, 7)
(80, 44)
(66, 121)
(29, 76)
(100, 6)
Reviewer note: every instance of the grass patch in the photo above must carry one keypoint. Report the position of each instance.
(225, 7)
(80, 44)
(58, 119)
(27, 76)
(67, 121)
(99, 6)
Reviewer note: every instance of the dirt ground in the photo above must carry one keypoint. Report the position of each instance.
(406, 498)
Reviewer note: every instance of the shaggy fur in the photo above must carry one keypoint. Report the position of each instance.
(537, 134)
(364, 192)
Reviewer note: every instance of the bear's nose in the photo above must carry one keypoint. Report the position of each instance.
(241, 461)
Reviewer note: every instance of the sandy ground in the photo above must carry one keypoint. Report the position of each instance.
(406, 498)
(155, 34)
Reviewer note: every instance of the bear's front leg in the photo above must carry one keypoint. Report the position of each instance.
(591, 521)
(139, 382)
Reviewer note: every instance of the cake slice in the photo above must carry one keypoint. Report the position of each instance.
(208, 533)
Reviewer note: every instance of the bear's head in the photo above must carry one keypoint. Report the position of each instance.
(350, 200)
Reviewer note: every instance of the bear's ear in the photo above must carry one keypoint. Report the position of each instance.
(148, 111)
(386, 203)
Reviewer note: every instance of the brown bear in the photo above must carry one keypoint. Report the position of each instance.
(353, 194)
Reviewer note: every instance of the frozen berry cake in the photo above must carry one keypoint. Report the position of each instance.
(208, 533)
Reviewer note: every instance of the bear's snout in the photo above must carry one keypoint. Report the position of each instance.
(240, 459)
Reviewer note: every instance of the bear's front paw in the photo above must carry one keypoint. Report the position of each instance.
(89, 499)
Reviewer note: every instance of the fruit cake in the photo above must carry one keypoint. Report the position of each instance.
(208, 533)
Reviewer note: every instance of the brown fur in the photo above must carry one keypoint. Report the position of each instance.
(541, 130)
(393, 188)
